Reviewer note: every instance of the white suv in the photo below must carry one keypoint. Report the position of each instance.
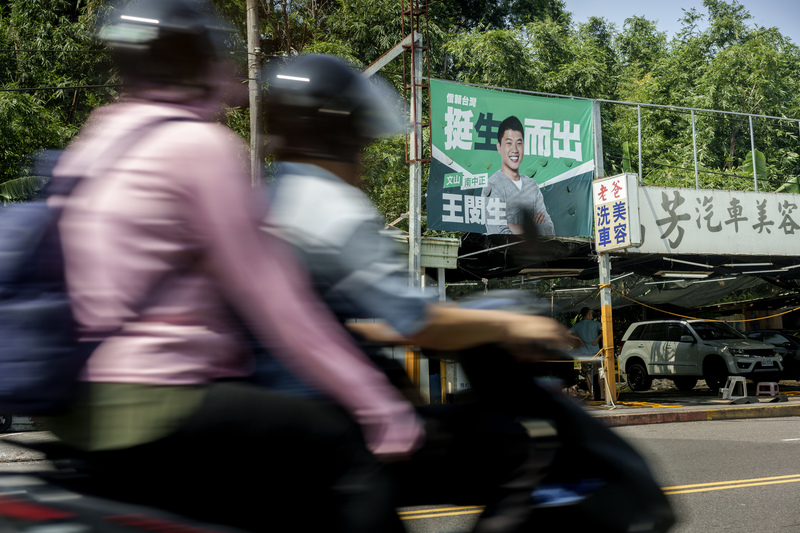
(686, 350)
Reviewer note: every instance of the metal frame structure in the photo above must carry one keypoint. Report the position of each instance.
(693, 112)
(415, 16)
(416, 72)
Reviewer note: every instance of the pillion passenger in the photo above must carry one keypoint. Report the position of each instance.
(161, 242)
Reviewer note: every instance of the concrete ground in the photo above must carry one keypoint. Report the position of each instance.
(664, 403)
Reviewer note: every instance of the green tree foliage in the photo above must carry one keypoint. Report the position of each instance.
(454, 16)
(45, 44)
(730, 66)
(541, 56)
(497, 57)
(286, 26)
(641, 46)
(719, 60)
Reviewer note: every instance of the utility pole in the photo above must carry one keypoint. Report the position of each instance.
(609, 359)
(254, 87)
(604, 277)
(412, 18)
(415, 170)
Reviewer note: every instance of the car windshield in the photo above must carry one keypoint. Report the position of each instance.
(792, 337)
(779, 338)
(712, 331)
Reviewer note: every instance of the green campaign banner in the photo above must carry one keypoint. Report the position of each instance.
(497, 156)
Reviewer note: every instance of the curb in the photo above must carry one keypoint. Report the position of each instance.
(697, 415)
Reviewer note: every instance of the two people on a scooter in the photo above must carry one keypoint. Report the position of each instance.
(164, 262)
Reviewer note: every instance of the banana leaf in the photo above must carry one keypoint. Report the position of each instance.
(761, 165)
(22, 189)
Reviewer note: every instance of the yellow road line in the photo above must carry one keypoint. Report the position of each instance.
(730, 482)
(441, 509)
(677, 489)
(650, 404)
(724, 485)
(437, 515)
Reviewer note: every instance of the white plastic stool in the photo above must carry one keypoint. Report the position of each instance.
(727, 392)
(770, 388)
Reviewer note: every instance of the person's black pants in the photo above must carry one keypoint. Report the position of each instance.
(257, 460)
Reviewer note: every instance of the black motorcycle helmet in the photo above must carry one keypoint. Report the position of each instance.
(321, 107)
(165, 42)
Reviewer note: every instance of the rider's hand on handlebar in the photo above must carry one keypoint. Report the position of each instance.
(523, 329)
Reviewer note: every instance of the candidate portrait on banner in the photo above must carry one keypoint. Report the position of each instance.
(519, 193)
(536, 159)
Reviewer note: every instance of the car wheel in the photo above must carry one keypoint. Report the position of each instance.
(716, 375)
(685, 383)
(638, 378)
(5, 422)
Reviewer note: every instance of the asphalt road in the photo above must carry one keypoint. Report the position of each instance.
(731, 475)
(734, 475)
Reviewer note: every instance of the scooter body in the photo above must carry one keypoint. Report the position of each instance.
(51, 502)
(584, 474)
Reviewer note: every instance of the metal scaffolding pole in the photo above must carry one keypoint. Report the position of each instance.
(415, 171)
(694, 154)
(753, 152)
(416, 17)
(639, 119)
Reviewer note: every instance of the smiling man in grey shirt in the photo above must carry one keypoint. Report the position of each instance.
(519, 192)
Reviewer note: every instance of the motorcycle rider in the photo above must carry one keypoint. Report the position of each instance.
(320, 114)
(161, 242)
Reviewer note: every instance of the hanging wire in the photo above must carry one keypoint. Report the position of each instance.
(691, 317)
(67, 87)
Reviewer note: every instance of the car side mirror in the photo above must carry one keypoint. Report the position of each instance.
(687, 338)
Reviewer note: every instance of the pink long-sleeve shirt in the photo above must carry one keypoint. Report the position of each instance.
(160, 240)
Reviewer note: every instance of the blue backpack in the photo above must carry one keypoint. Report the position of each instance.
(40, 356)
